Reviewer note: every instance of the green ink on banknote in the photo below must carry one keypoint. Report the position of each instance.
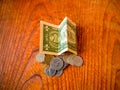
(56, 40)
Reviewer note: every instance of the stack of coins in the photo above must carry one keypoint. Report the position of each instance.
(56, 64)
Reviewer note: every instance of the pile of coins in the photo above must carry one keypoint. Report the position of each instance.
(56, 67)
(56, 64)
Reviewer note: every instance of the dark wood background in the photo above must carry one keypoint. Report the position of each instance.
(98, 35)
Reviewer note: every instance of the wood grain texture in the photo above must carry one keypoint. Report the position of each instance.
(98, 35)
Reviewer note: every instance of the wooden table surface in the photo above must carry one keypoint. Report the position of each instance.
(98, 37)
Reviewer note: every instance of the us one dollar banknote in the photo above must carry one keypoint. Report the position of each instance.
(57, 39)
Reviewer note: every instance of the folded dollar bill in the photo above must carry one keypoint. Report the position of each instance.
(57, 39)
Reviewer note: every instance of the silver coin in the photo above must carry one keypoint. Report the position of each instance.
(40, 57)
(59, 73)
(56, 63)
(74, 60)
(78, 61)
(49, 71)
(68, 59)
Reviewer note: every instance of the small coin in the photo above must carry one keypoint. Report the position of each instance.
(59, 73)
(78, 61)
(74, 60)
(67, 59)
(40, 57)
(49, 71)
(56, 63)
